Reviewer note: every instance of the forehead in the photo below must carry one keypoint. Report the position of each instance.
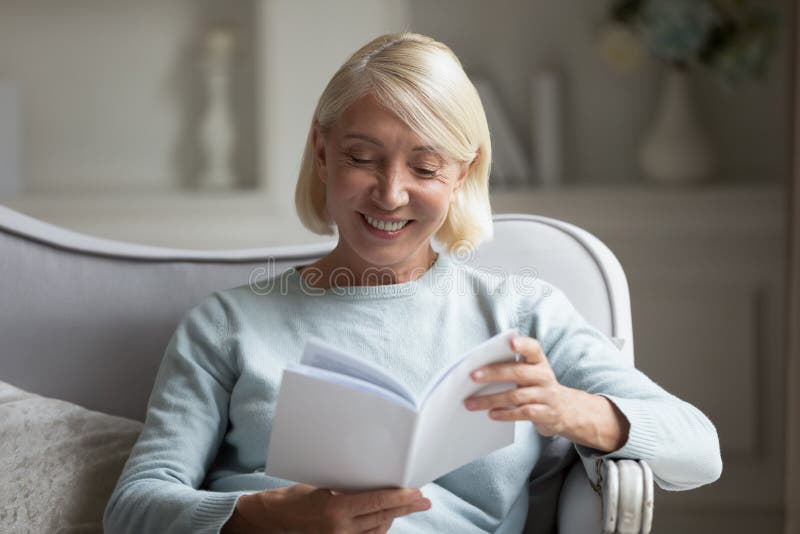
(366, 116)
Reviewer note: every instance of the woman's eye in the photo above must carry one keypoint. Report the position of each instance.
(425, 172)
(360, 161)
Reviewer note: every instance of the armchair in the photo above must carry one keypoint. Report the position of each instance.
(613, 496)
(112, 306)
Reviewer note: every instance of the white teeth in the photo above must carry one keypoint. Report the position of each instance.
(385, 225)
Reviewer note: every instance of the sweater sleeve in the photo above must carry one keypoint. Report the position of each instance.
(187, 417)
(676, 439)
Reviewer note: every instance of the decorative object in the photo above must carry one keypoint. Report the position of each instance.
(676, 149)
(510, 165)
(218, 126)
(547, 126)
(730, 38)
(9, 140)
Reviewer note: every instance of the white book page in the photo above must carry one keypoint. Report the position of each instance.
(323, 356)
(333, 436)
(352, 382)
(494, 347)
(448, 435)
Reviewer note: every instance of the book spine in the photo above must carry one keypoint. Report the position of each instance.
(411, 452)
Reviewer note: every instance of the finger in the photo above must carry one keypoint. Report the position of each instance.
(506, 399)
(522, 374)
(374, 501)
(374, 520)
(528, 412)
(529, 348)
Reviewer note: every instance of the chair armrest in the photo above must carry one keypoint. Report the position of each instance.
(626, 504)
(580, 508)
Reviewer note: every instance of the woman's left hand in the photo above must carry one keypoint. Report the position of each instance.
(581, 417)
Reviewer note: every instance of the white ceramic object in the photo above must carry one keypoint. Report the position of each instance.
(676, 150)
(218, 128)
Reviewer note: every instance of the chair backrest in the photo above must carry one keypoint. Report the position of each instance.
(573, 260)
(87, 319)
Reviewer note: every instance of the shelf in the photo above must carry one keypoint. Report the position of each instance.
(641, 209)
(198, 220)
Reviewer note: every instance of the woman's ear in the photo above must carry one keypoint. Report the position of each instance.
(464, 171)
(318, 150)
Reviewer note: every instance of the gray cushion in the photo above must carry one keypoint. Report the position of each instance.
(58, 463)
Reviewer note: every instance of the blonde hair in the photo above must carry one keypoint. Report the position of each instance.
(422, 82)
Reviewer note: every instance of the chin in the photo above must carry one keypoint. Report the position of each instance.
(379, 251)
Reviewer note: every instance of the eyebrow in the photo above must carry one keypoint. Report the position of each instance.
(367, 138)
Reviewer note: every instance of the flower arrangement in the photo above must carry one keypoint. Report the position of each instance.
(731, 38)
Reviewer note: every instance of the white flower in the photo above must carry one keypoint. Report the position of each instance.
(621, 48)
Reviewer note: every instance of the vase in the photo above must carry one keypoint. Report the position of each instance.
(676, 149)
(217, 130)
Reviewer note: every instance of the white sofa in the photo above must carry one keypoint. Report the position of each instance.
(84, 322)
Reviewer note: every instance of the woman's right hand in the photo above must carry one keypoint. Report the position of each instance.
(304, 508)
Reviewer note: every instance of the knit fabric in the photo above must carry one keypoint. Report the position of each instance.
(204, 441)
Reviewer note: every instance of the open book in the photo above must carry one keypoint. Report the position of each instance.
(343, 423)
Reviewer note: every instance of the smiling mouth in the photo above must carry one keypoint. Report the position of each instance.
(385, 226)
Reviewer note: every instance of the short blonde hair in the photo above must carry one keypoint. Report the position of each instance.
(422, 82)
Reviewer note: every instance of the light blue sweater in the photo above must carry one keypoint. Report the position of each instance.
(208, 420)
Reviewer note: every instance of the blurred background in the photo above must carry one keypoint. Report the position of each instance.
(661, 127)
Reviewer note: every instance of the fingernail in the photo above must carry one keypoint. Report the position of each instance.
(470, 404)
(478, 374)
(515, 344)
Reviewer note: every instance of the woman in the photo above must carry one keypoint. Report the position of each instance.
(397, 156)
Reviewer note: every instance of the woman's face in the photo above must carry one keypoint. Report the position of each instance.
(388, 191)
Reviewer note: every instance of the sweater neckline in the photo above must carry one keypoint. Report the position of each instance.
(427, 280)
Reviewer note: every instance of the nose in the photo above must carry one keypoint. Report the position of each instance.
(390, 191)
